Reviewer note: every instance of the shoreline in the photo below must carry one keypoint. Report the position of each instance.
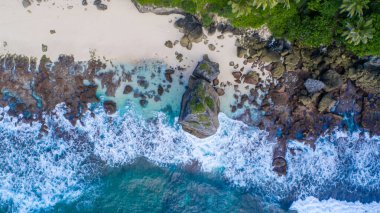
(257, 76)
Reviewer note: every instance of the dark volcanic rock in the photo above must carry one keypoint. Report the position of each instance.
(109, 107)
(127, 89)
(160, 90)
(371, 114)
(332, 80)
(35, 90)
(168, 75)
(279, 155)
(207, 69)
(143, 102)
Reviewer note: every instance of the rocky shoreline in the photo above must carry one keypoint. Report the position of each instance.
(308, 93)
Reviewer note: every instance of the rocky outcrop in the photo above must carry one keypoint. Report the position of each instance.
(200, 103)
(316, 91)
(32, 88)
(192, 29)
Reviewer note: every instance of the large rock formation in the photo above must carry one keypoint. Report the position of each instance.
(317, 90)
(200, 103)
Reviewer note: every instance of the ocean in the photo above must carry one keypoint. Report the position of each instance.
(140, 160)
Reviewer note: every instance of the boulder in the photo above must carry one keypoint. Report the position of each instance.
(327, 103)
(278, 70)
(332, 80)
(367, 79)
(251, 78)
(237, 75)
(241, 52)
(371, 114)
(191, 27)
(279, 158)
(26, 3)
(169, 44)
(207, 69)
(291, 61)
(270, 56)
(127, 89)
(200, 108)
(185, 42)
(313, 86)
(109, 107)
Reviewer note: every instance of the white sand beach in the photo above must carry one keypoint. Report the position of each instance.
(121, 33)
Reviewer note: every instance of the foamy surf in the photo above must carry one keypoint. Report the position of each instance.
(58, 167)
(313, 205)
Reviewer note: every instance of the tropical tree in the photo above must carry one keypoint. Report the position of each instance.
(359, 32)
(266, 3)
(241, 7)
(354, 7)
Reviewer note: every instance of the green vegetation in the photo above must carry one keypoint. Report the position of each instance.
(196, 104)
(354, 24)
(361, 32)
(209, 102)
(197, 107)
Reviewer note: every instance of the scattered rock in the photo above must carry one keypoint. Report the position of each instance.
(169, 44)
(109, 107)
(215, 82)
(160, 90)
(313, 85)
(279, 158)
(52, 32)
(168, 75)
(220, 91)
(332, 80)
(143, 102)
(44, 48)
(371, 114)
(270, 56)
(127, 89)
(211, 47)
(326, 104)
(100, 5)
(278, 70)
(84, 2)
(241, 52)
(237, 75)
(26, 3)
(251, 78)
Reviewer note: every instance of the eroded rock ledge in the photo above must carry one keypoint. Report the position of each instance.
(30, 87)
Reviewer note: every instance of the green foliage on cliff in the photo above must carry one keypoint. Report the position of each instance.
(309, 23)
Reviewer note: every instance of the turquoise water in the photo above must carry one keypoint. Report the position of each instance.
(143, 187)
(130, 162)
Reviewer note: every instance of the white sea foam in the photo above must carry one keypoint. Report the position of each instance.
(313, 205)
(39, 172)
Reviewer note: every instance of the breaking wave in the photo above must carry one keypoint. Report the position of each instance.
(41, 170)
